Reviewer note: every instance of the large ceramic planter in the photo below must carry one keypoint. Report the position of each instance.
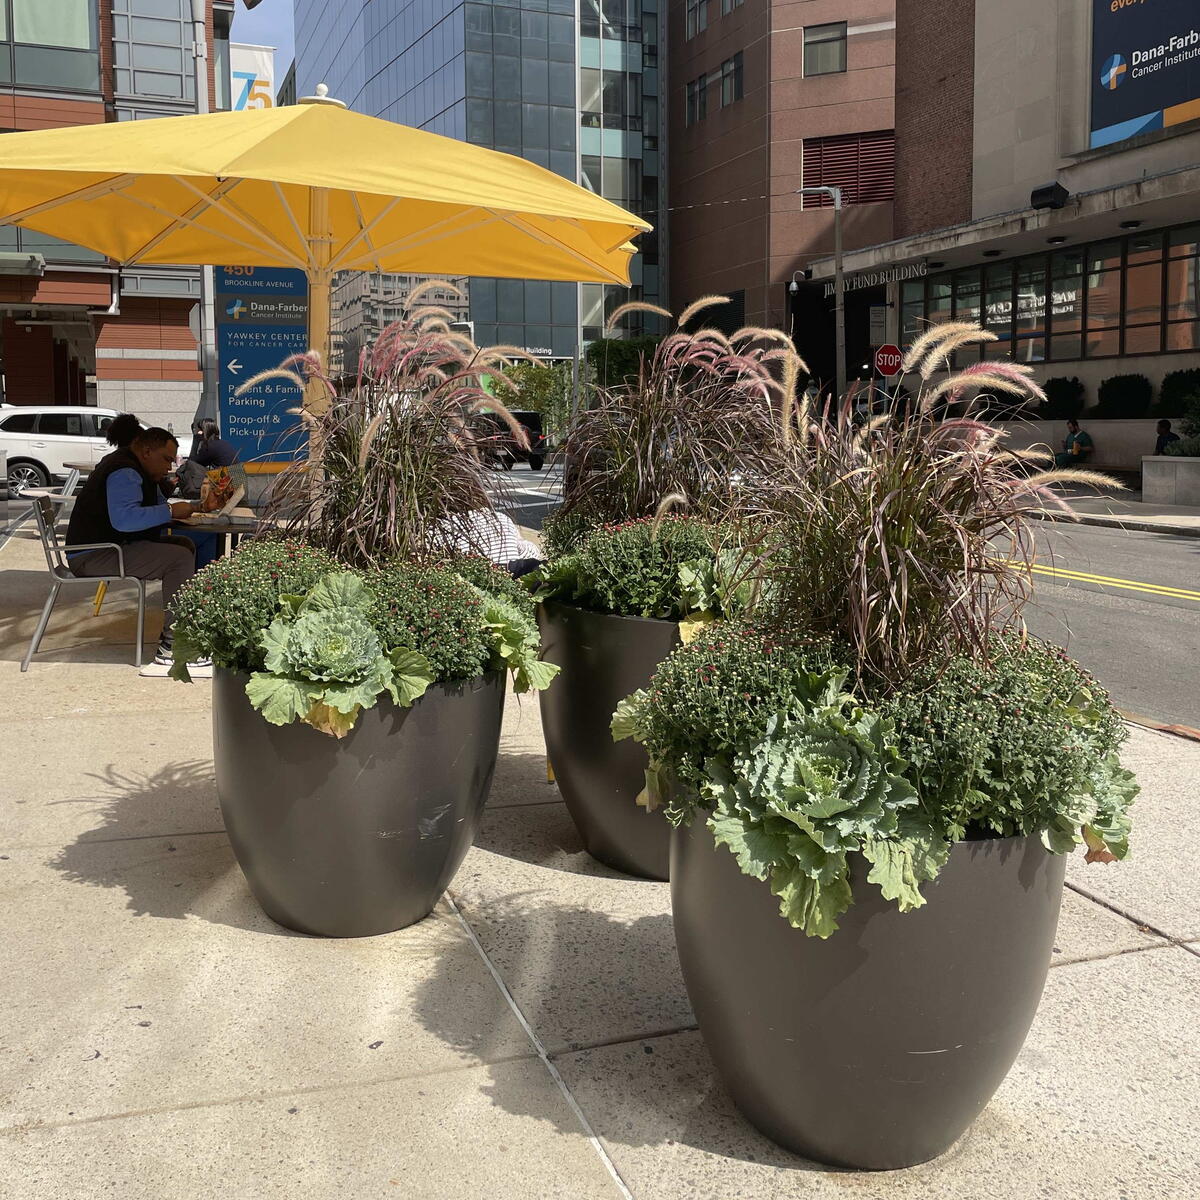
(603, 659)
(878, 1047)
(359, 836)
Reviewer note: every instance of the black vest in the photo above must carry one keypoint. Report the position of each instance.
(89, 518)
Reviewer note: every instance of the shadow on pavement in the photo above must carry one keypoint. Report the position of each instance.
(172, 876)
(650, 1090)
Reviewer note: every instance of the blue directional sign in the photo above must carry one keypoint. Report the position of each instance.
(262, 319)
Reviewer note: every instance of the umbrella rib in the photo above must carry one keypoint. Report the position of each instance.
(181, 221)
(363, 229)
(219, 201)
(364, 234)
(291, 216)
(523, 225)
(177, 223)
(415, 239)
(104, 188)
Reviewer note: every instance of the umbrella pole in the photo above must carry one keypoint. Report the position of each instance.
(320, 281)
(316, 395)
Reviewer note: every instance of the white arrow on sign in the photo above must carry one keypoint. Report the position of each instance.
(235, 367)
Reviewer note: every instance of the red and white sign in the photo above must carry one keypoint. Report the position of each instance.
(888, 360)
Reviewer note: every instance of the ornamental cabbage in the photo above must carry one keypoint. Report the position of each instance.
(823, 783)
(325, 663)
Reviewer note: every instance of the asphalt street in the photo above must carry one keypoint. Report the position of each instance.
(1125, 604)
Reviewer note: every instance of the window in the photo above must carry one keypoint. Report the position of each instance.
(697, 17)
(727, 6)
(1134, 295)
(152, 50)
(863, 165)
(66, 23)
(19, 423)
(825, 49)
(1066, 304)
(1183, 289)
(53, 45)
(724, 85)
(731, 79)
(61, 425)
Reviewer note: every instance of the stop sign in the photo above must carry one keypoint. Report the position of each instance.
(888, 359)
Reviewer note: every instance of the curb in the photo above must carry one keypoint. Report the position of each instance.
(1100, 522)
(1183, 731)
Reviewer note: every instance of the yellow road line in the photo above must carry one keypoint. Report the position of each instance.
(1132, 585)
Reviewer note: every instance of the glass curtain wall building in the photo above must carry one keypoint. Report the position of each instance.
(531, 78)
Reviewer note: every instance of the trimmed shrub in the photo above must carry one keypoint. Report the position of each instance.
(1123, 396)
(1179, 390)
(1064, 399)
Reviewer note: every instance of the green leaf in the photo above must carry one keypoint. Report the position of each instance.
(351, 697)
(281, 700)
(274, 641)
(516, 644)
(755, 849)
(535, 675)
(411, 676)
(341, 590)
(810, 905)
(658, 788)
(291, 605)
(894, 872)
(182, 653)
(627, 721)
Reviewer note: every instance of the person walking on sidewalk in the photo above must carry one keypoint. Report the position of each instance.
(121, 502)
(1077, 446)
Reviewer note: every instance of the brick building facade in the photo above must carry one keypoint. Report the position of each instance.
(767, 96)
(73, 330)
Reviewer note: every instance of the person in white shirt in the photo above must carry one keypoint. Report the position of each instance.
(494, 536)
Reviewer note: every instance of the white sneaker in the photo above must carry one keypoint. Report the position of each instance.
(160, 667)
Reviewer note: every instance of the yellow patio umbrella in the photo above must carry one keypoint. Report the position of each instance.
(312, 186)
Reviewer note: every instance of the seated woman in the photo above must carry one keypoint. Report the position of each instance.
(210, 449)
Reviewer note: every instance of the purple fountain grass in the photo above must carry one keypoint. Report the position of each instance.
(699, 419)
(397, 461)
(909, 539)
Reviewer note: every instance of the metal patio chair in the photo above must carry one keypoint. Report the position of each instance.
(56, 496)
(60, 575)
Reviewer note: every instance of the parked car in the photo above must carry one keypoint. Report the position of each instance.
(503, 450)
(41, 440)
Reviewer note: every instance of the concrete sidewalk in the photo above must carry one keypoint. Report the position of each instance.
(163, 1038)
(1126, 510)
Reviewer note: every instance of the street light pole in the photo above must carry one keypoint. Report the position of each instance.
(839, 285)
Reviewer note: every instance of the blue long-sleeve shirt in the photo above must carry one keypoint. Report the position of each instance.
(126, 511)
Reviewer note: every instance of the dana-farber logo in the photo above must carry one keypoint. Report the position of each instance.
(1174, 50)
(1112, 74)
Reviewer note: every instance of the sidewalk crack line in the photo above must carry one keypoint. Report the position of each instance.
(536, 1042)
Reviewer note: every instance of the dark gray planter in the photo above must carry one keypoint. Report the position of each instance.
(359, 836)
(603, 659)
(877, 1048)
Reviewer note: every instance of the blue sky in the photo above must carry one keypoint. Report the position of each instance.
(270, 24)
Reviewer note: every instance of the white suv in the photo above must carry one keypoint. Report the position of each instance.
(40, 441)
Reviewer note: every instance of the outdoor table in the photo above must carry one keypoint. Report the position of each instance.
(84, 468)
(229, 529)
